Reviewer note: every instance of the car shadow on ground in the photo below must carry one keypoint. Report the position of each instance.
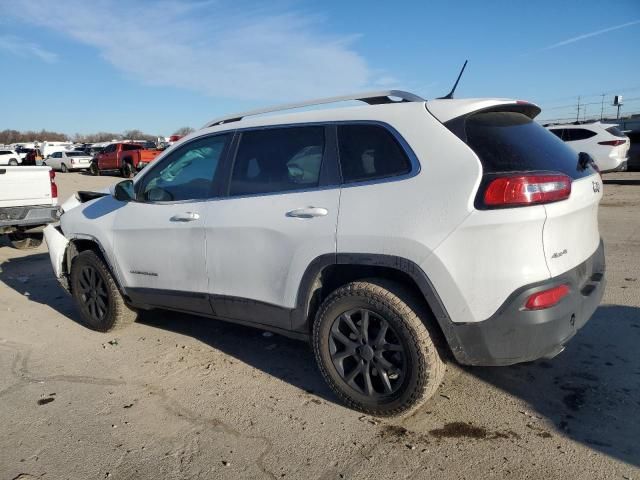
(621, 181)
(591, 391)
(284, 358)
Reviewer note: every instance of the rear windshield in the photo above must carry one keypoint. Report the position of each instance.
(76, 154)
(513, 142)
(615, 131)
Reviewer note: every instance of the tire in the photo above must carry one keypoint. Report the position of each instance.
(127, 170)
(64, 168)
(404, 366)
(96, 294)
(25, 241)
(13, 162)
(94, 170)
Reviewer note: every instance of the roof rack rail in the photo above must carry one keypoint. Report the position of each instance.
(372, 98)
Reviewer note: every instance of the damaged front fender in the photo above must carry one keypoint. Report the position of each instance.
(57, 244)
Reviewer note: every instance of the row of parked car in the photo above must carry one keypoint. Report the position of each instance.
(606, 143)
(126, 157)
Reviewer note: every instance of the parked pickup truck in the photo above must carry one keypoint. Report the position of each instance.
(28, 202)
(127, 158)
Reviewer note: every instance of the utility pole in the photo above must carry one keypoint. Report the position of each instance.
(584, 113)
(617, 102)
(578, 114)
(602, 108)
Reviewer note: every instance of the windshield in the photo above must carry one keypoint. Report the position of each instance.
(76, 154)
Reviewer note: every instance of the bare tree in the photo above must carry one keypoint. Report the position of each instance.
(184, 131)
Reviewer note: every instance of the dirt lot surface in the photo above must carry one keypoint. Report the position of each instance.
(175, 396)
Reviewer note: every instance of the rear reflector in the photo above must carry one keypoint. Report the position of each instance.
(520, 190)
(547, 298)
(54, 187)
(612, 143)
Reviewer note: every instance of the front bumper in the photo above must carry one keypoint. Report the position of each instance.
(514, 334)
(57, 244)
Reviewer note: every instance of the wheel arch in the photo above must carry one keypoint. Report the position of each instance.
(328, 272)
(79, 244)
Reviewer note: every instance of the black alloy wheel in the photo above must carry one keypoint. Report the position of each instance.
(367, 353)
(93, 293)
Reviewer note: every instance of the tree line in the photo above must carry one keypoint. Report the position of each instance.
(9, 136)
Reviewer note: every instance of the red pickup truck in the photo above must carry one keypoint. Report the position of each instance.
(127, 158)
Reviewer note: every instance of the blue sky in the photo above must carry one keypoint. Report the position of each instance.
(114, 65)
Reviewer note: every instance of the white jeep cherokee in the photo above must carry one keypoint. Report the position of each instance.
(388, 235)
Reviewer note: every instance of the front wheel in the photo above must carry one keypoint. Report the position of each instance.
(373, 345)
(96, 294)
(94, 170)
(25, 241)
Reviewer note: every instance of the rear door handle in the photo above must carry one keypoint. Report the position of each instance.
(308, 212)
(185, 217)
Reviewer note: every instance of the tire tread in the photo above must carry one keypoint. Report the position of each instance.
(401, 300)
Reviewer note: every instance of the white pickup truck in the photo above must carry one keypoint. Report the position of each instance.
(28, 202)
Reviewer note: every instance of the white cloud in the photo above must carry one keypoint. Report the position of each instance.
(23, 48)
(591, 34)
(209, 47)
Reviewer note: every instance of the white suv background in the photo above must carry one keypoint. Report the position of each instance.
(606, 143)
(391, 236)
(9, 157)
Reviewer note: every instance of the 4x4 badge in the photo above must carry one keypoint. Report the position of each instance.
(596, 186)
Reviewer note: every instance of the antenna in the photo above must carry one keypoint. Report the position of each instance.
(449, 96)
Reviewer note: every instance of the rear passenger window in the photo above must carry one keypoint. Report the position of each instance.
(369, 152)
(557, 132)
(573, 134)
(278, 160)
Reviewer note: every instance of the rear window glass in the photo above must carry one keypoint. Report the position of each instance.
(76, 154)
(615, 131)
(513, 142)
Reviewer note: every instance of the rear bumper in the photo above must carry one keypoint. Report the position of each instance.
(620, 168)
(12, 218)
(514, 335)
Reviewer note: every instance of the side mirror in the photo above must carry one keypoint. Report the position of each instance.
(124, 191)
(584, 160)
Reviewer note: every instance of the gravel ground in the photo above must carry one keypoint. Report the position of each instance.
(175, 396)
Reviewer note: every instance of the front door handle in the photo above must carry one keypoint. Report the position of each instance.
(185, 217)
(308, 212)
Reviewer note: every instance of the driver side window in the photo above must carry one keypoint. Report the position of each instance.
(187, 174)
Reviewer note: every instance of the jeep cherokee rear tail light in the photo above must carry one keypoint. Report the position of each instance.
(612, 143)
(547, 298)
(54, 187)
(519, 190)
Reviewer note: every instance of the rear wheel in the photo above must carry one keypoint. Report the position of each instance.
(24, 241)
(13, 162)
(96, 294)
(64, 168)
(373, 345)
